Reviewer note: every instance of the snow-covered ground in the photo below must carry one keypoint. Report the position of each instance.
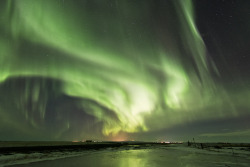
(24, 158)
(136, 156)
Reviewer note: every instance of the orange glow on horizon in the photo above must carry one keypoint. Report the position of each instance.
(119, 137)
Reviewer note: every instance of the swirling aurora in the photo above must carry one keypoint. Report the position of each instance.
(113, 69)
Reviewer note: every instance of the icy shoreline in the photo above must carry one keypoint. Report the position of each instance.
(187, 152)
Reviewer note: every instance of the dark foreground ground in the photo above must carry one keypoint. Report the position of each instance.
(125, 154)
(30, 147)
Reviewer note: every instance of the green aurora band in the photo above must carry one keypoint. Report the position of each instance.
(125, 66)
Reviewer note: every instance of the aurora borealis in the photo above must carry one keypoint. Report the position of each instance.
(123, 70)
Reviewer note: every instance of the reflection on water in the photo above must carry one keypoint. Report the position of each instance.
(131, 161)
(135, 158)
(132, 158)
(151, 157)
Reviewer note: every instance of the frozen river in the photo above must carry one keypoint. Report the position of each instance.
(151, 157)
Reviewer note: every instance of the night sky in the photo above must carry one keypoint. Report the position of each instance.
(152, 70)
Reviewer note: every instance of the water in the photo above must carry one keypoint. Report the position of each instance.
(148, 157)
